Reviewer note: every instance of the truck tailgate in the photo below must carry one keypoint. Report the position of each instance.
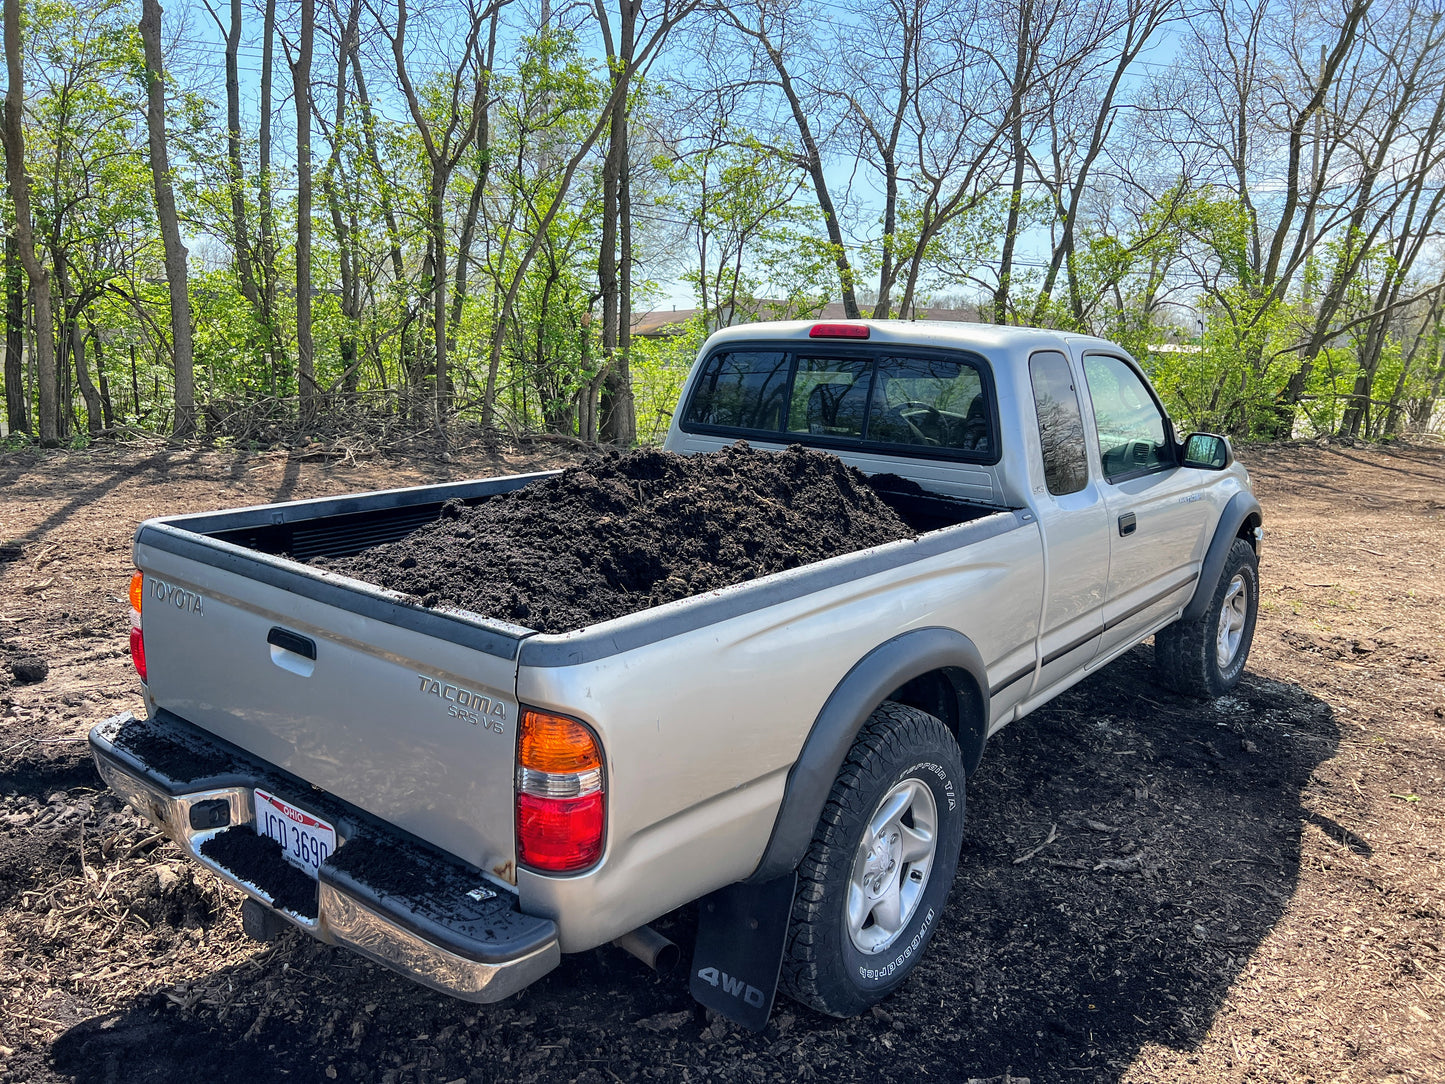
(339, 684)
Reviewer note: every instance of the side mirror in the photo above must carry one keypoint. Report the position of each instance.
(1207, 451)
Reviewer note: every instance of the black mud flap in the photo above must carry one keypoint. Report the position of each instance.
(742, 930)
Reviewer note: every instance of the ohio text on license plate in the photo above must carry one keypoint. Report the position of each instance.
(306, 840)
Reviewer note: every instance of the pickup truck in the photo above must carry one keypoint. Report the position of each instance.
(463, 799)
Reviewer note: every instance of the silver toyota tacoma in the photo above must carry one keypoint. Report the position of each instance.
(463, 799)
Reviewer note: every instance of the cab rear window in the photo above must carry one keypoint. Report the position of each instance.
(741, 390)
(911, 403)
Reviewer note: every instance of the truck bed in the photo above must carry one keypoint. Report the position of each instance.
(355, 689)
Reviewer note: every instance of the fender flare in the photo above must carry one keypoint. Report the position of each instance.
(1237, 514)
(883, 670)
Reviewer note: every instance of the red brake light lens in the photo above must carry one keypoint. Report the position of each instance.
(138, 651)
(838, 331)
(560, 834)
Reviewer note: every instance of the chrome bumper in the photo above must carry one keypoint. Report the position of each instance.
(376, 925)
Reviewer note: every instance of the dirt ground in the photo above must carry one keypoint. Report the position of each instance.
(1152, 889)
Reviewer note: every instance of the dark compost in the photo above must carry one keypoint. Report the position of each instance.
(618, 533)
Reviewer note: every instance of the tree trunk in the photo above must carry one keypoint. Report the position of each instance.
(343, 220)
(618, 423)
(268, 215)
(437, 226)
(16, 409)
(383, 185)
(175, 260)
(301, 95)
(483, 141)
(1023, 65)
(237, 178)
(94, 412)
(19, 181)
(444, 144)
(107, 407)
(813, 163)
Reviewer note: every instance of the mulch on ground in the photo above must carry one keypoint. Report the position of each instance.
(1151, 888)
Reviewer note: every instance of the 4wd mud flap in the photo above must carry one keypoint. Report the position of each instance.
(742, 931)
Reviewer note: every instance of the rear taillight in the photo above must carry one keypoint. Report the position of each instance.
(561, 801)
(137, 639)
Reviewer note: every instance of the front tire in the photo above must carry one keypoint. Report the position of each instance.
(1206, 657)
(877, 874)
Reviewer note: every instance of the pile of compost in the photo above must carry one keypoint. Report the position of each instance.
(618, 533)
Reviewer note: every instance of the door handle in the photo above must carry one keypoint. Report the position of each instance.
(292, 642)
(1127, 524)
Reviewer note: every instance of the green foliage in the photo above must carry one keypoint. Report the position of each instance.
(659, 369)
(759, 243)
(722, 183)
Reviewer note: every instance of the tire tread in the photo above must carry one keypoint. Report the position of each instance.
(890, 733)
(1184, 651)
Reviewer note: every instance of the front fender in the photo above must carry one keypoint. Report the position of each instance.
(1240, 515)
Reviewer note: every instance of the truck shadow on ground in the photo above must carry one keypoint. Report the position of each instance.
(1175, 848)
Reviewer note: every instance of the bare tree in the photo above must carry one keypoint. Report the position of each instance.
(1081, 133)
(445, 141)
(614, 269)
(266, 183)
(652, 29)
(771, 28)
(236, 171)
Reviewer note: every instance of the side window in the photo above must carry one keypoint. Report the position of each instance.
(1132, 433)
(830, 396)
(1061, 426)
(741, 390)
(936, 402)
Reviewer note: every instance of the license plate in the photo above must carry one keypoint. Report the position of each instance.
(306, 840)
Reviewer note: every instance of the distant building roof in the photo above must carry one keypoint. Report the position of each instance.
(661, 323)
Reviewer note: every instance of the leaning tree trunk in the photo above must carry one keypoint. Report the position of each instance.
(150, 32)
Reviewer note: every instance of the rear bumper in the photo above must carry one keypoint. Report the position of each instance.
(383, 894)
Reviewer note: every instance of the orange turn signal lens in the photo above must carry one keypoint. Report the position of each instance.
(136, 593)
(554, 743)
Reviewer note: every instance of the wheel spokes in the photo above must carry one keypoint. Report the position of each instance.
(1233, 614)
(859, 907)
(917, 844)
(894, 855)
(888, 911)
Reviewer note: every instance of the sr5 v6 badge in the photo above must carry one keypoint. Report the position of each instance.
(467, 705)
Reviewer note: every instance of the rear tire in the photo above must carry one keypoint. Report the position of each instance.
(1205, 657)
(877, 874)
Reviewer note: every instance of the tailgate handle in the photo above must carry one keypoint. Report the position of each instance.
(293, 642)
(1127, 523)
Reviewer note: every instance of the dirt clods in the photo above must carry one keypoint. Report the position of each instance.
(619, 533)
(28, 669)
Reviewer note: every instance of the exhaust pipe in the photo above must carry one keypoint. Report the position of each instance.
(649, 946)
